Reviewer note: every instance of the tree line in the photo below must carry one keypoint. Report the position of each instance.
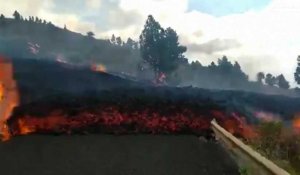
(160, 48)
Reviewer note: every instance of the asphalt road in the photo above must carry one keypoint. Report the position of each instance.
(114, 155)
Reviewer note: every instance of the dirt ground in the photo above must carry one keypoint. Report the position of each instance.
(114, 155)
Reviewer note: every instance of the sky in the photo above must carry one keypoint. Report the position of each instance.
(262, 35)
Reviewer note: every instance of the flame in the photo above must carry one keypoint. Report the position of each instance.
(98, 68)
(236, 125)
(9, 96)
(1, 91)
(24, 128)
(296, 124)
(160, 79)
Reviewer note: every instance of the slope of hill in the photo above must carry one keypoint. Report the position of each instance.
(40, 39)
(29, 39)
(38, 79)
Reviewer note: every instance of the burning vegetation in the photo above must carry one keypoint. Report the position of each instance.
(98, 68)
(9, 97)
(296, 123)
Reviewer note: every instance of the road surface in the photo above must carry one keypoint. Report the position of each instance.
(114, 155)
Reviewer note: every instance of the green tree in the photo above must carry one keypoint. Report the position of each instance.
(260, 77)
(151, 42)
(37, 21)
(119, 41)
(282, 82)
(113, 39)
(172, 54)
(2, 17)
(160, 48)
(17, 15)
(90, 34)
(297, 73)
(270, 80)
(224, 65)
(130, 43)
(196, 65)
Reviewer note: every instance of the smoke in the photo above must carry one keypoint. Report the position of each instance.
(213, 46)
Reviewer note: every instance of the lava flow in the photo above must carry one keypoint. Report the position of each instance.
(9, 97)
(112, 114)
(113, 120)
(296, 124)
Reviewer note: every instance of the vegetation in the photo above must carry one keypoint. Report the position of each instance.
(244, 171)
(279, 145)
(160, 48)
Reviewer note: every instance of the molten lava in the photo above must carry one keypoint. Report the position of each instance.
(98, 68)
(125, 116)
(296, 124)
(1, 91)
(9, 97)
(115, 120)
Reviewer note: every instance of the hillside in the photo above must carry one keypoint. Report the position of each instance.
(37, 79)
(29, 39)
(35, 38)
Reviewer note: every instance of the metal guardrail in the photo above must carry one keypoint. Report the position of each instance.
(246, 157)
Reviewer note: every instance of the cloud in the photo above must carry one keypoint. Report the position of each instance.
(27, 8)
(216, 45)
(93, 4)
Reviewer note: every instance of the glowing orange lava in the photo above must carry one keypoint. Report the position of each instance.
(296, 124)
(1, 91)
(9, 97)
(98, 68)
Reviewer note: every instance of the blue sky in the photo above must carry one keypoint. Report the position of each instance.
(226, 7)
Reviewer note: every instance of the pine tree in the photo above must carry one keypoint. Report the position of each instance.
(260, 77)
(282, 82)
(119, 41)
(151, 42)
(113, 39)
(160, 48)
(17, 15)
(2, 17)
(270, 80)
(90, 34)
